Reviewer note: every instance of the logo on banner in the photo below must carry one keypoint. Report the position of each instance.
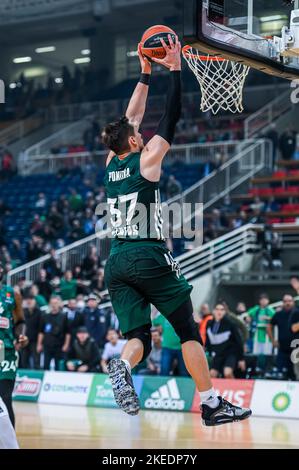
(167, 397)
(281, 402)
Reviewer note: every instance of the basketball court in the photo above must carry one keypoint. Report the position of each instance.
(66, 427)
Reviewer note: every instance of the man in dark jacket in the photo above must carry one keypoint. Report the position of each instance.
(224, 344)
(29, 355)
(84, 355)
(54, 337)
(284, 320)
(96, 321)
(75, 317)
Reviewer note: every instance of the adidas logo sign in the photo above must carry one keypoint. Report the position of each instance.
(167, 397)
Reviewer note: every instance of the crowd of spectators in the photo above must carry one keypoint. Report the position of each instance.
(71, 326)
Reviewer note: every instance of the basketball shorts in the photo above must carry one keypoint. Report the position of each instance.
(140, 276)
(8, 367)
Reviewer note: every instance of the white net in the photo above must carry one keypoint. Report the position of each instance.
(221, 81)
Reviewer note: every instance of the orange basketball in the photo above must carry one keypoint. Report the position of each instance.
(151, 41)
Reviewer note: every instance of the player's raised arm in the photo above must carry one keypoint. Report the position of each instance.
(158, 146)
(137, 104)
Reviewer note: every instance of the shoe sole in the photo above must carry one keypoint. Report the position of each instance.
(213, 423)
(126, 398)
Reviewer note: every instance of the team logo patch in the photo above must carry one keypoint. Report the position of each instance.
(4, 323)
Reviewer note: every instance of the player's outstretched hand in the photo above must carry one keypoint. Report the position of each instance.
(146, 66)
(173, 59)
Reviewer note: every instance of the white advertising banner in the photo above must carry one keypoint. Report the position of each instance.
(275, 398)
(69, 388)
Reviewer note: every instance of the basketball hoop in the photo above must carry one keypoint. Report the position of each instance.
(221, 81)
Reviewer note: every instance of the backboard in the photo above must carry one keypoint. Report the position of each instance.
(242, 30)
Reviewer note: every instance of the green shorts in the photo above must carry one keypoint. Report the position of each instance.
(8, 367)
(137, 276)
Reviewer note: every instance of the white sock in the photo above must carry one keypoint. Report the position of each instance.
(128, 365)
(209, 398)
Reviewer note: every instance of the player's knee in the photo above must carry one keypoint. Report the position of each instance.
(143, 333)
(183, 323)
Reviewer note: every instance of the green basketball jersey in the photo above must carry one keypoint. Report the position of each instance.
(134, 202)
(7, 306)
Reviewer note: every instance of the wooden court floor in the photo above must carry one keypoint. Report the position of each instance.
(41, 426)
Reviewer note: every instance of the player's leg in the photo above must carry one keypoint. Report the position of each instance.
(8, 438)
(133, 313)
(6, 390)
(215, 410)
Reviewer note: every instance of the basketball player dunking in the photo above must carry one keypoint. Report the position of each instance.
(140, 270)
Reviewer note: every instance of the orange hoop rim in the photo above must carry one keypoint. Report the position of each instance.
(204, 58)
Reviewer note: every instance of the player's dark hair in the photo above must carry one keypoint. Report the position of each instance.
(116, 135)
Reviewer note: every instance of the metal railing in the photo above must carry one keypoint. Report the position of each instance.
(31, 163)
(20, 129)
(65, 136)
(264, 117)
(215, 254)
(253, 159)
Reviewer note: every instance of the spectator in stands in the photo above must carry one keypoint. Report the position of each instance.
(98, 282)
(96, 321)
(171, 347)
(68, 286)
(55, 221)
(91, 263)
(295, 284)
(257, 204)
(271, 243)
(41, 202)
(173, 187)
(76, 233)
(287, 144)
(54, 336)
(84, 354)
(241, 308)
(271, 205)
(75, 201)
(39, 298)
(43, 284)
(8, 167)
(75, 317)
(259, 317)
(30, 358)
(153, 361)
(238, 322)
(205, 315)
(284, 319)
(224, 344)
(53, 265)
(34, 248)
(4, 208)
(113, 348)
(295, 343)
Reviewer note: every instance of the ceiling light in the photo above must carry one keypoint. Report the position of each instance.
(42, 50)
(82, 60)
(58, 80)
(21, 60)
(85, 51)
(12, 86)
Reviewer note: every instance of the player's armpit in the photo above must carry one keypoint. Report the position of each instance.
(152, 157)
